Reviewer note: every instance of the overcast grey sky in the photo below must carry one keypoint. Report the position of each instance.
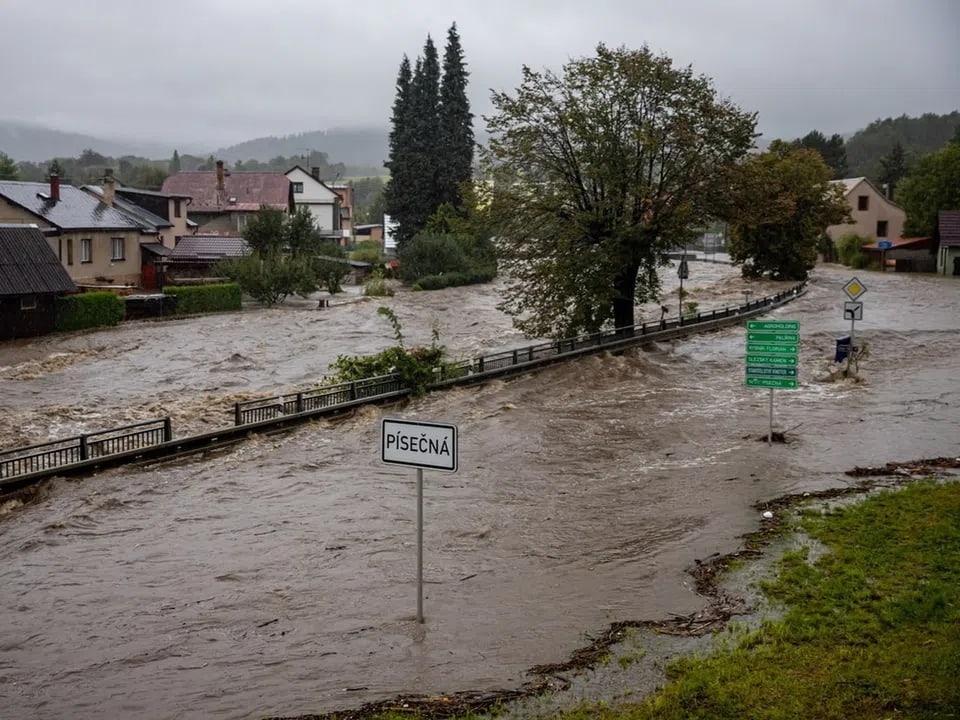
(215, 72)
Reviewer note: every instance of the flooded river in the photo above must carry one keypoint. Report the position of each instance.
(277, 577)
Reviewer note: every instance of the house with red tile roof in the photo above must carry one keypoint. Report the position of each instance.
(223, 201)
(948, 235)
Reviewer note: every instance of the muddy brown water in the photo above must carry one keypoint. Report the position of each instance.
(277, 577)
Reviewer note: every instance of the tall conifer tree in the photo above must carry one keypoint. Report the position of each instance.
(397, 191)
(456, 122)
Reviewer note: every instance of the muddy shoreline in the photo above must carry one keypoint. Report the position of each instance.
(708, 575)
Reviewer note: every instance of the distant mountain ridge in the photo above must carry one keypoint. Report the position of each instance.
(361, 146)
(35, 143)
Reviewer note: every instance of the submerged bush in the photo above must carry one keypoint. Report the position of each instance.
(89, 310)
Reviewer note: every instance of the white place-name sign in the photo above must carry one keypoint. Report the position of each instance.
(419, 444)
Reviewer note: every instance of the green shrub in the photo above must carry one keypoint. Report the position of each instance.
(193, 299)
(850, 250)
(376, 286)
(89, 310)
(427, 254)
(367, 251)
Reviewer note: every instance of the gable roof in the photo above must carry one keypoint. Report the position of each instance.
(75, 210)
(194, 248)
(948, 223)
(242, 191)
(850, 184)
(147, 221)
(28, 265)
(308, 176)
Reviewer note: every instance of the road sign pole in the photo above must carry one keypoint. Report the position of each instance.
(770, 431)
(420, 545)
(853, 321)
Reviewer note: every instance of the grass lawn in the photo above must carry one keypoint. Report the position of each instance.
(871, 628)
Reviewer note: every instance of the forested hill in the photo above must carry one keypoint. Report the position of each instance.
(365, 147)
(918, 136)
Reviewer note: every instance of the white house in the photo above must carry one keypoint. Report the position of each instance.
(871, 212)
(311, 192)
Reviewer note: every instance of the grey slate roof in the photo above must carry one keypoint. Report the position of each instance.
(28, 265)
(194, 248)
(949, 223)
(144, 218)
(76, 210)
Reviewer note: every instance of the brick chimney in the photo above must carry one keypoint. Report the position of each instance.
(219, 175)
(315, 171)
(54, 187)
(109, 187)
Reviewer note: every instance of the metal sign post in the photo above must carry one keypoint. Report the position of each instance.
(772, 350)
(854, 310)
(420, 445)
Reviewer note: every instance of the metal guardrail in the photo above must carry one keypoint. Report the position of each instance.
(320, 398)
(58, 453)
(82, 451)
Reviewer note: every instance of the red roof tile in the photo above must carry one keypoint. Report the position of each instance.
(242, 191)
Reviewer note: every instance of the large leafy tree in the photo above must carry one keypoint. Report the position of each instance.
(833, 151)
(597, 172)
(784, 202)
(8, 168)
(455, 161)
(933, 184)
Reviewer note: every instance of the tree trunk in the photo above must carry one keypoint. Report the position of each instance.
(625, 284)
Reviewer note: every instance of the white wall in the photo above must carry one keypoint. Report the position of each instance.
(320, 200)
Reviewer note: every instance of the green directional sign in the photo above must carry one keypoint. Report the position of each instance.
(768, 348)
(773, 382)
(772, 350)
(772, 325)
(790, 360)
(774, 337)
(770, 371)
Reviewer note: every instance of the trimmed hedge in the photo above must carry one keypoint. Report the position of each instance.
(453, 279)
(205, 298)
(89, 310)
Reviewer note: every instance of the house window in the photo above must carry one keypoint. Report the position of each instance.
(863, 202)
(69, 251)
(298, 187)
(118, 249)
(86, 250)
(176, 208)
(28, 302)
(881, 228)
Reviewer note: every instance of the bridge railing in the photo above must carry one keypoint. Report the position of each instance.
(58, 453)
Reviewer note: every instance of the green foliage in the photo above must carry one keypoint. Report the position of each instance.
(431, 138)
(367, 251)
(597, 172)
(376, 285)
(786, 203)
(933, 184)
(894, 167)
(455, 164)
(272, 278)
(850, 250)
(428, 254)
(8, 168)
(832, 151)
(454, 279)
(414, 365)
(193, 299)
(368, 200)
(918, 136)
(265, 232)
(89, 310)
(175, 163)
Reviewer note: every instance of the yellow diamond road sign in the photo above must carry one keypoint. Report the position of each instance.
(854, 289)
